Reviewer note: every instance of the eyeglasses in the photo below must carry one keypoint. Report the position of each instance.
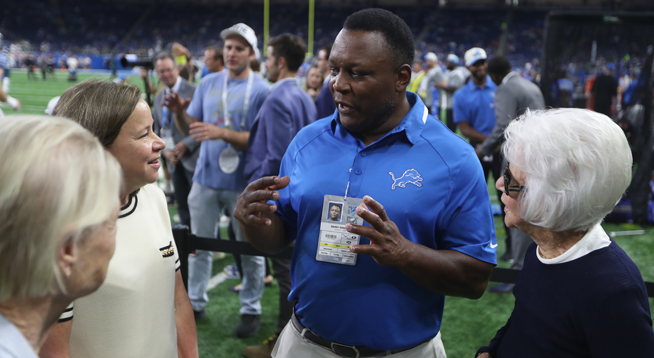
(507, 179)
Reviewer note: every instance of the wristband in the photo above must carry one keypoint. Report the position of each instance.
(12, 102)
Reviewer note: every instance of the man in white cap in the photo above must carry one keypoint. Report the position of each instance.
(434, 76)
(474, 113)
(454, 79)
(220, 115)
(473, 107)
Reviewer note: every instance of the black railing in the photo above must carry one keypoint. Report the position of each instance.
(187, 243)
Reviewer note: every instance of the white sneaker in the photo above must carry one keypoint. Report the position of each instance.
(231, 272)
(224, 221)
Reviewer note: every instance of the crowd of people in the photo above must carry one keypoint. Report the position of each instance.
(358, 167)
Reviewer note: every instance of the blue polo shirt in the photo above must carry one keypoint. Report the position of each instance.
(207, 106)
(368, 304)
(476, 105)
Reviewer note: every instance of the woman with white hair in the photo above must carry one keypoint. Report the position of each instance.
(58, 212)
(578, 294)
(142, 309)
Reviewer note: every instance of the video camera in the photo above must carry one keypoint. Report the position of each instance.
(132, 60)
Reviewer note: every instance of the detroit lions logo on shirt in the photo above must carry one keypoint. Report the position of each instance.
(410, 176)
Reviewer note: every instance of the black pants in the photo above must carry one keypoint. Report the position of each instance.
(182, 181)
(603, 109)
(282, 273)
(449, 120)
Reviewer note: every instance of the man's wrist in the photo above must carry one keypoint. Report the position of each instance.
(410, 252)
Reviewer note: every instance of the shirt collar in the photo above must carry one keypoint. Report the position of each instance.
(280, 82)
(14, 341)
(484, 86)
(508, 76)
(595, 239)
(176, 85)
(411, 124)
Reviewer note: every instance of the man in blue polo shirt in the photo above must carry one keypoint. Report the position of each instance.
(416, 222)
(474, 109)
(220, 116)
(286, 110)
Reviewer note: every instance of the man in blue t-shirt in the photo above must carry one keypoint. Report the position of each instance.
(220, 115)
(416, 222)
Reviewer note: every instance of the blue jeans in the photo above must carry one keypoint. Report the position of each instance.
(206, 205)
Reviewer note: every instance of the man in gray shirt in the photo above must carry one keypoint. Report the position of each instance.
(514, 95)
(455, 78)
(427, 85)
(181, 151)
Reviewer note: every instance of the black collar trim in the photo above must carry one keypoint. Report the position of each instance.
(130, 207)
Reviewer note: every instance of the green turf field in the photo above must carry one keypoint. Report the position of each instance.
(467, 324)
(34, 95)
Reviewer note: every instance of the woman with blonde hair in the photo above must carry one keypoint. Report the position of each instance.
(58, 212)
(142, 310)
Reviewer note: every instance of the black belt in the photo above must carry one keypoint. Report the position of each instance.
(342, 350)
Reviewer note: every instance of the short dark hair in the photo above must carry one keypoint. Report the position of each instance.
(499, 65)
(291, 47)
(396, 32)
(163, 56)
(217, 53)
(255, 65)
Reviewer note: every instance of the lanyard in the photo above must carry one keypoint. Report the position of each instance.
(246, 101)
(347, 188)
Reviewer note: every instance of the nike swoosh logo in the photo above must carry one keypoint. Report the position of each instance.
(493, 246)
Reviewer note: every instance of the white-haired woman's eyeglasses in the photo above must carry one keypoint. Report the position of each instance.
(508, 177)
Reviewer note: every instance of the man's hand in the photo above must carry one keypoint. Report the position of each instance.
(484, 355)
(170, 156)
(478, 151)
(179, 150)
(254, 200)
(175, 102)
(202, 131)
(440, 85)
(387, 246)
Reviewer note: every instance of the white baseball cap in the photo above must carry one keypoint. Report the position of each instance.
(430, 56)
(242, 30)
(453, 58)
(473, 55)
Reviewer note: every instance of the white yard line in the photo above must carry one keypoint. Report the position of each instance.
(215, 281)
